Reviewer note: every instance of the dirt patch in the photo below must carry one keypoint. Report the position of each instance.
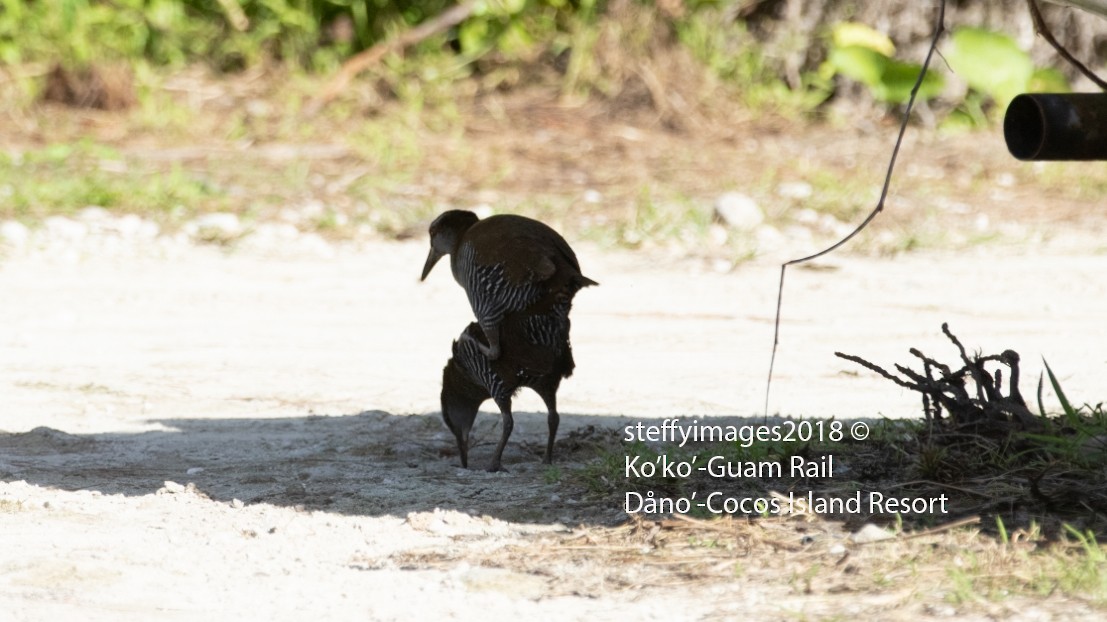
(185, 421)
(250, 427)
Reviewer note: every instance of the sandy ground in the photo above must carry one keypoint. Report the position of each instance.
(195, 433)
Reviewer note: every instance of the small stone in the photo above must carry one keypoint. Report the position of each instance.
(798, 190)
(592, 196)
(171, 488)
(871, 533)
(237, 504)
(739, 211)
(315, 244)
(136, 227)
(769, 237)
(290, 216)
(14, 233)
(194, 470)
(718, 234)
(93, 213)
(276, 231)
(222, 223)
(835, 226)
(258, 108)
(806, 216)
(65, 228)
(312, 209)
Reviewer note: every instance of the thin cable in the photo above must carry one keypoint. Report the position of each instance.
(939, 30)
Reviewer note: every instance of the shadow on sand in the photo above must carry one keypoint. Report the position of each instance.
(372, 463)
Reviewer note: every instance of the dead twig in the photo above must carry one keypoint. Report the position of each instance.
(878, 369)
(939, 30)
(970, 520)
(367, 58)
(1043, 30)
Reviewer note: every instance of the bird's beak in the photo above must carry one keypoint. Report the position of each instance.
(432, 259)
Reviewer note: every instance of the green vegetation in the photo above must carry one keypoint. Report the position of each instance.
(63, 178)
(1042, 469)
(1084, 445)
(1031, 540)
(594, 44)
(214, 79)
(990, 63)
(867, 56)
(996, 70)
(1034, 502)
(733, 56)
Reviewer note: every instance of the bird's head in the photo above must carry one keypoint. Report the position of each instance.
(461, 398)
(446, 232)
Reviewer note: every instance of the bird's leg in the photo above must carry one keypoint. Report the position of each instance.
(549, 396)
(492, 334)
(509, 423)
(463, 447)
(490, 352)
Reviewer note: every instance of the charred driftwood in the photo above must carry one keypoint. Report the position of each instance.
(972, 395)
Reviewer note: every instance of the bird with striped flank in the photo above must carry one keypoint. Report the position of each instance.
(536, 354)
(506, 264)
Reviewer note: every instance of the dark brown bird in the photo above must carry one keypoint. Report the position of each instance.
(536, 354)
(506, 264)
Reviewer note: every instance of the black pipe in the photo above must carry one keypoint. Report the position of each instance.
(1057, 126)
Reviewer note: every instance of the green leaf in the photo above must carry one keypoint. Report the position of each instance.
(1065, 405)
(990, 62)
(511, 7)
(1048, 80)
(899, 78)
(473, 35)
(850, 34)
(858, 63)
(515, 39)
(888, 79)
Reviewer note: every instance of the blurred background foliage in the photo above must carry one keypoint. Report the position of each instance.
(652, 106)
(782, 55)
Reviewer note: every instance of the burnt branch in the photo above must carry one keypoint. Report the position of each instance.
(948, 389)
(876, 368)
(929, 362)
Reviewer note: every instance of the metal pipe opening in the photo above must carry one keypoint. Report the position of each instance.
(1057, 126)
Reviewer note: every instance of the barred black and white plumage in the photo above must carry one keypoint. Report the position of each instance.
(536, 354)
(476, 365)
(550, 329)
(506, 264)
(490, 293)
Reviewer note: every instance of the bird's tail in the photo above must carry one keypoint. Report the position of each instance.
(583, 281)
